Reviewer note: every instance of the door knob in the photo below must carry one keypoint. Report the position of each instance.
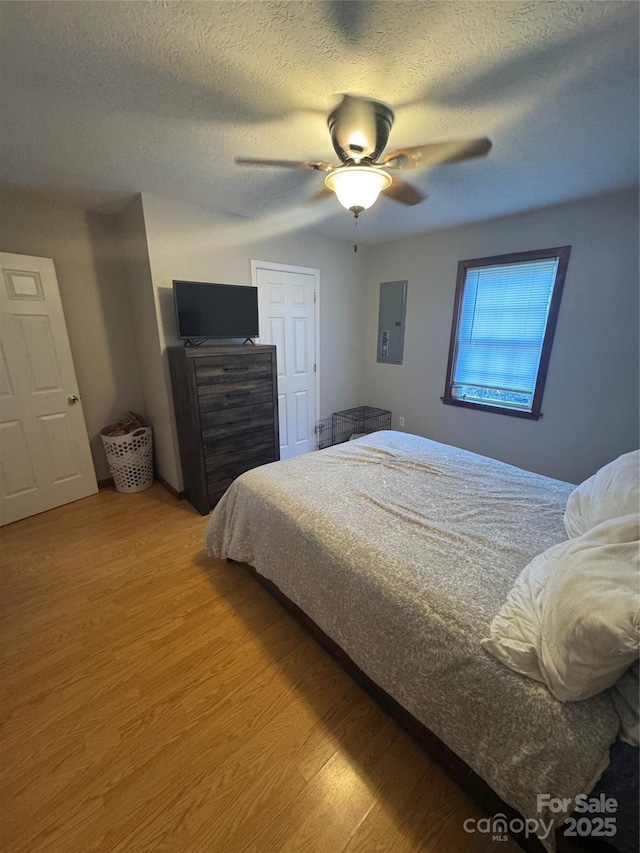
(72, 399)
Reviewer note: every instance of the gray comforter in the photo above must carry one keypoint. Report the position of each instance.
(403, 550)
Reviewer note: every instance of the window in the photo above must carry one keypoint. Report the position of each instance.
(504, 318)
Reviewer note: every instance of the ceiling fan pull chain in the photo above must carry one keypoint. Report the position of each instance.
(355, 233)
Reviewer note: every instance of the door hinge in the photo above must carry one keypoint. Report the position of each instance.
(314, 367)
(315, 297)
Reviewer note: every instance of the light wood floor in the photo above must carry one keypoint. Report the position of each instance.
(156, 700)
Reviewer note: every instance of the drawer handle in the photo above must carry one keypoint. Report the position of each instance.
(234, 369)
(237, 394)
(245, 421)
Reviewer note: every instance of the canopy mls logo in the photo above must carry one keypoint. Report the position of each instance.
(499, 828)
(596, 824)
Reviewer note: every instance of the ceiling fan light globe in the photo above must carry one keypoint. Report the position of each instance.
(357, 186)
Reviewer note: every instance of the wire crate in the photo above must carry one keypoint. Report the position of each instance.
(351, 423)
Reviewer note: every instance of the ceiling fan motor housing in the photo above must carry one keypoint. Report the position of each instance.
(359, 129)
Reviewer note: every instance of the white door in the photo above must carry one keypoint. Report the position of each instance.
(45, 458)
(287, 315)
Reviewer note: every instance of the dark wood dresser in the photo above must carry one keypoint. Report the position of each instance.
(226, 405)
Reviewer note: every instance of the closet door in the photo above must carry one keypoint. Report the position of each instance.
(287, 309)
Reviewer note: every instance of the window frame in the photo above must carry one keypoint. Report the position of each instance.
(562, 253)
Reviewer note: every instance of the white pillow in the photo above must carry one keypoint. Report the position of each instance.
(572, 620)
(611, 492)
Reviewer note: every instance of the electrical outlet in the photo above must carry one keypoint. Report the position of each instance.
(401, 421)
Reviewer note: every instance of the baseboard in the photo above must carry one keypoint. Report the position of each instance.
(108, 481)
(173, 492)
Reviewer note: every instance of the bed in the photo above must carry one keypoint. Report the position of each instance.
(402, 550)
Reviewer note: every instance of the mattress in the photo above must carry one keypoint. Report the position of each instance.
(403, 550)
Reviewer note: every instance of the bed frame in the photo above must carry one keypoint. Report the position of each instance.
(468, 780)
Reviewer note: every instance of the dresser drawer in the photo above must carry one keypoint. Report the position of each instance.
(226, 473)
(213, 398)
(219, 480)
(231, 369)
(216, 486)
(220, 459)
(242, 417)
(238, 441)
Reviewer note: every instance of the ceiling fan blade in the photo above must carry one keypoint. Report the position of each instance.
(325, 192)
(437, 153)
(403, 192)
(316, 165)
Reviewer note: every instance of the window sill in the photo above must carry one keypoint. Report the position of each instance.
(498, 410)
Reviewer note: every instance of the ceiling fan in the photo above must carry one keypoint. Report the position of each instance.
(359, 129)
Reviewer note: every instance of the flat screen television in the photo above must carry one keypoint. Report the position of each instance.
(215, 310)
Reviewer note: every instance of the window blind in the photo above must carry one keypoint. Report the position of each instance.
(502, 325)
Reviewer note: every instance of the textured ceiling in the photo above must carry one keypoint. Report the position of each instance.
(160, 97)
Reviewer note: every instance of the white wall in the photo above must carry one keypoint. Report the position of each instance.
(118, 335)
(86, 251)
(187, 242)
(144, 319)
(590, 405)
